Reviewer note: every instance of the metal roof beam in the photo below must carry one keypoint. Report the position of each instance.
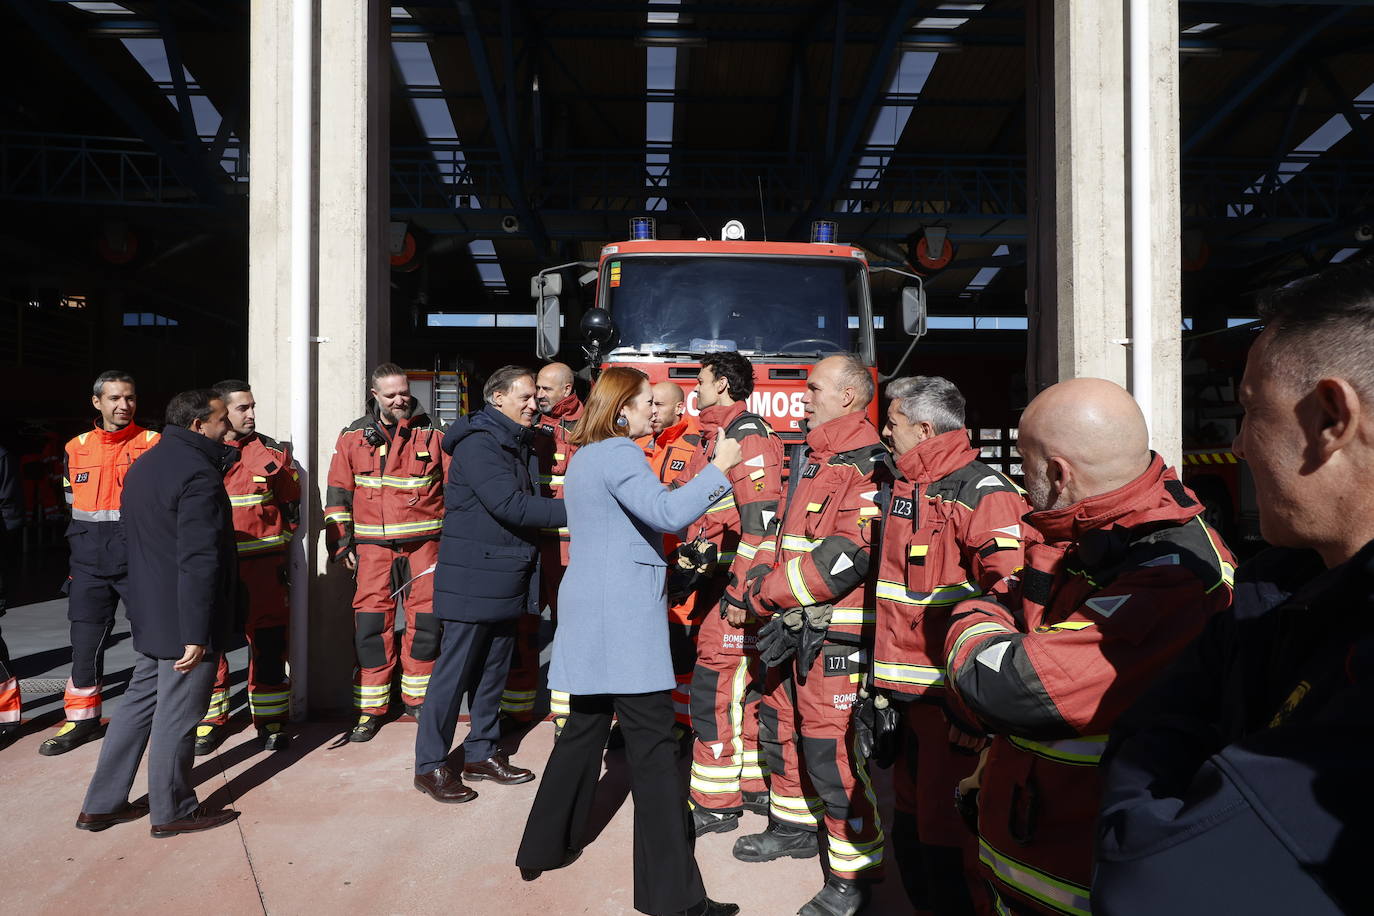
(172, 49)
(1270, 63)
(509, 168)
(880, 68)
(1345, 102)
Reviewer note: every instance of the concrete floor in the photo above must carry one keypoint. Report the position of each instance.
(326, 828)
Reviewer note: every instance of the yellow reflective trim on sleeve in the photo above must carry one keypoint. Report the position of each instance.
(978, 629)
(797, 580)
(250, 499)
(915, 675)
(1084, 751)
(1007, 543)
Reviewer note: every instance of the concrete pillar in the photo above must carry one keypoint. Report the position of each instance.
(1078, 294)
(349, 212)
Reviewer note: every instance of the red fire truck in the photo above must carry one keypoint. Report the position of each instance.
(660, 305)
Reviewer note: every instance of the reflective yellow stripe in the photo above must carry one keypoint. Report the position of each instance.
(1084, 751)
(978, 629)
(803, 811)
(400, 483)
(1007, 543)
(814, 507)
(397, 530)
(1062, 895)
(945, 594)
(561, 532)
(250, 499)
(918, 550)
(853, 616)
(1068, 625)
(726, 502)
(917, 675)
(340, 517)
(560, 703)
(797, 581)
(260, 544)
(799, 543)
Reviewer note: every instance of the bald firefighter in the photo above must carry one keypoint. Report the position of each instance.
(727, 773)
(384, 510)
(264, 493)
(95, 464)
(559, 410)
(1128, 573)
(814, 594)
(951, 530)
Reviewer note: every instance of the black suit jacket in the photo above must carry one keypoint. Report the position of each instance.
(182, 564)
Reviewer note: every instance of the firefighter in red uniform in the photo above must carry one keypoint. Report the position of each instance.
(385, 508)
(727, 774)
(951, 530)
(559, 410)
(672, 443)
(264, 491)
(816, 645)
(1127, 575)
(11, 517)
(96, 462)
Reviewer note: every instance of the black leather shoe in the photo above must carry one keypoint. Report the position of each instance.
(498, 769)
(442, 785)
(705, 821)
(208, 737)
(366, 729)
(529, 874)
(197, 820)
(838, 898)
(8, 734)
(414, 711)
(756, 802)
(71, 736)
(131, 811)
(777, 841)
(273, 738)
(709, 907)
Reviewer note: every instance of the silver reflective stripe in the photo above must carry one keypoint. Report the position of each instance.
(1085, 751)
(100, 515)
(1057, 893)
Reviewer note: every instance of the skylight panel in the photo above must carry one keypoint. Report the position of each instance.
(660, 83)
(151, 54)
(912, 72)
(948, 22)
(1200, 28)
(102, 8)
(985, 275)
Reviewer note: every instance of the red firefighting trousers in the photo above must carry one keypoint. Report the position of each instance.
(813, 769)
(726, 689)
(384, 572)
(263, 580)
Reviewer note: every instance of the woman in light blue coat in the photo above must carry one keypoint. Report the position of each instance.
(611, 650)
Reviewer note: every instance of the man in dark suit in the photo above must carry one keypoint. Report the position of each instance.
(485, 580)
(180, 534)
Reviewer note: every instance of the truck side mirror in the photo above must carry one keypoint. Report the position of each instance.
(548, 284)
(914, 310)
(548, 326)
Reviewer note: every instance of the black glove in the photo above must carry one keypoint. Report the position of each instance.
(690, 567)
(811, 638)
(877, 722)
(777, 642)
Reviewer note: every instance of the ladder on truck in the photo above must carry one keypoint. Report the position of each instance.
(450, 397)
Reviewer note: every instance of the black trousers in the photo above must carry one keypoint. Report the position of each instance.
(474, 659)
(667, 880)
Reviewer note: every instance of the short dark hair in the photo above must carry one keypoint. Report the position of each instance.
(502, 379)
(929, 399)
(855, 374)
(110, 375)
(735, 368)
(1324, 324)
(385, 370)
(190, 406)
(229, 386)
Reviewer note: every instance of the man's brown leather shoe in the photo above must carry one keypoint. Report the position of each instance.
(498, 769)
(442, 785)
(131, 811)
(197, 820)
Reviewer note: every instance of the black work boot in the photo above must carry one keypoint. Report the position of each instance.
(208, 738)
(756, 802)
(71, 736)
(273, 738)
(705, 821)
(366, 729)
(413, 710)
(777, 841)
(838, 898)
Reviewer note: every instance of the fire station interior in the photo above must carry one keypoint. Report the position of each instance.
(529, 133)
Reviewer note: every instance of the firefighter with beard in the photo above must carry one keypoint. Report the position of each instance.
(384, 512)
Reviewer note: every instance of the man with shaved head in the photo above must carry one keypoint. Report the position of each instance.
(1126, 574)
(1240, 782)
(559, 410)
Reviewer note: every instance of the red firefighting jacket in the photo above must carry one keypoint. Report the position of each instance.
(1122, 582)
(952, 530)
(740, 524)
(265, 491)
(822, 550)
(95, 463)
(389, 490)
(554, 451)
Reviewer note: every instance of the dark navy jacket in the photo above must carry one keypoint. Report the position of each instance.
(492, 515)
(183, 570)
(1241, 782)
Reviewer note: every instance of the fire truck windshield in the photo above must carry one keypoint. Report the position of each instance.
(763, 305)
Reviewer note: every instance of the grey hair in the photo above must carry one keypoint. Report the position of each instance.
(855, 375)
(1323, 325)
(929, 399)
(502, 380)
(110, 375)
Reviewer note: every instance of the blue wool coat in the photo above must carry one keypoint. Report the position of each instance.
(492, 515)
(612, 614)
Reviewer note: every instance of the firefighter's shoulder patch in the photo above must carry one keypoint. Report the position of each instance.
(746, 425)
